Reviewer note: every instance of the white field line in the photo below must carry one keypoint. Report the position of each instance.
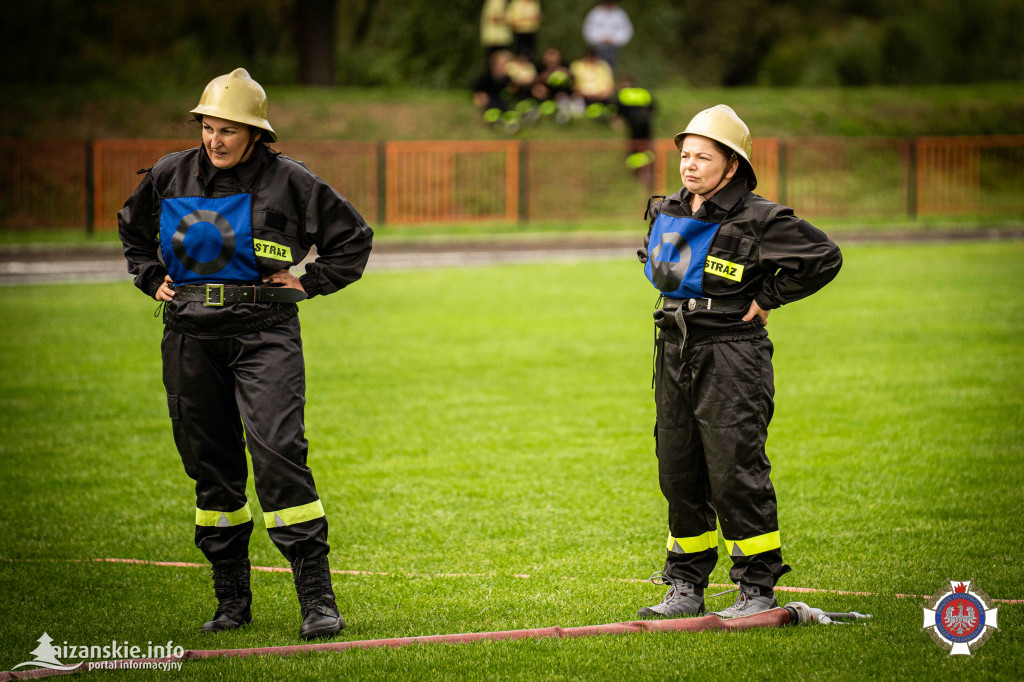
(285, 569)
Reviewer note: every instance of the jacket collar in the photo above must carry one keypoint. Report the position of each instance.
(722, 202)
(247, 172)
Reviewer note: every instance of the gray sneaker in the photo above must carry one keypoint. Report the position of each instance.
(682, 599)
(748, 602)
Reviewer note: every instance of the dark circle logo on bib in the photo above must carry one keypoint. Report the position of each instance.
(194, 250)
(678, 248)
(669, 261)
(208, 239)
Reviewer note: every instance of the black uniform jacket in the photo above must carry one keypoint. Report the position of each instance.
(784, 258)
(290, 207)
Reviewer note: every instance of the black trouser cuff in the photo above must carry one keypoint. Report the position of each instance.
(693, 567)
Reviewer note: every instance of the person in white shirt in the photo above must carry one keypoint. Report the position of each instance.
(607, 29)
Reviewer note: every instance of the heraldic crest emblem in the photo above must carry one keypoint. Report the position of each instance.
(959, 619)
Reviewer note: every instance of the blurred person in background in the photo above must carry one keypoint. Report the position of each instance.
(211, 233)
(524, 17)
(723, 258)
(495, 33)
(522, 72)
(593, 85)
(607, 29)
(553, 88)
(493, 90)
(635, 106)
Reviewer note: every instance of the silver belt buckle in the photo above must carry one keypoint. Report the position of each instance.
(213, 301)
(692, 304)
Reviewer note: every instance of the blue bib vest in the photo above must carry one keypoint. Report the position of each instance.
(208, 240)
(677, 250)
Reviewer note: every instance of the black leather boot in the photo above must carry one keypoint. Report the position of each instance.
(234, 598)
(320, 617)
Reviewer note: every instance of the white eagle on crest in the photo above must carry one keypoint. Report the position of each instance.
(960, 622)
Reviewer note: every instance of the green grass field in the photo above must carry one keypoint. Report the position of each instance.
(494, 422)
(419, 113)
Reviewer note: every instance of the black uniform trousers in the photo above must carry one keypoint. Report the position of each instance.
(714, 403)
(256, 380)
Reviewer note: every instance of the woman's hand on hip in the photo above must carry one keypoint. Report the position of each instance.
(284, 278)
(165, 292)
(756, 311)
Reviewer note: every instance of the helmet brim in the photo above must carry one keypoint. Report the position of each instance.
(741, 154)
(253, 121)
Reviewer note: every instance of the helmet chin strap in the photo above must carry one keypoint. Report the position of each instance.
(252, 140)
(722, 183)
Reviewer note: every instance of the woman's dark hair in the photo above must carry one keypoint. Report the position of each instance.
(743, 170)
(723, 150)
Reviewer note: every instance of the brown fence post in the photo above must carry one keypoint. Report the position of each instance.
(513, 181)
(90, 188)
(659, 178)
(783, 162)
(912, 178)
(524, 184)
(382, 182)
(97, 181)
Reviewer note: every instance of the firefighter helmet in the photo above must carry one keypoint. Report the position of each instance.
(721, 124)
(236, 97)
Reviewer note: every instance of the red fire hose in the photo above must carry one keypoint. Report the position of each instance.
(774, 618)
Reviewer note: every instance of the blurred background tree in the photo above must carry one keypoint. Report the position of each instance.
(436, 44)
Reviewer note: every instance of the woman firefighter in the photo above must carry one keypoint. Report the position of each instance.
(723, 258)
(212, 232)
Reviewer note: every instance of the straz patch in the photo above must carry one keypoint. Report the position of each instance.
(723, 268)
(267, 249)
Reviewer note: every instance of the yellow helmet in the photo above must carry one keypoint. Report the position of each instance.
(236, 97)
(721, 124)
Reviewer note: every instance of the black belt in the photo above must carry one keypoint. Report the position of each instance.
(216, 295)
(671, 313)
(728, 305)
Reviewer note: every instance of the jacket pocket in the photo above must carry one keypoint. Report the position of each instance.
(274, 242)
(729, 264)
(736, 245)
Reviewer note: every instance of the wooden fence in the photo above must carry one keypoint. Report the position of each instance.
(83, 184)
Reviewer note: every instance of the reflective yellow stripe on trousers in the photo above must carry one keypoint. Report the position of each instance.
(699, 543)
(222, 519)
(754, 545)
(293, 515)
